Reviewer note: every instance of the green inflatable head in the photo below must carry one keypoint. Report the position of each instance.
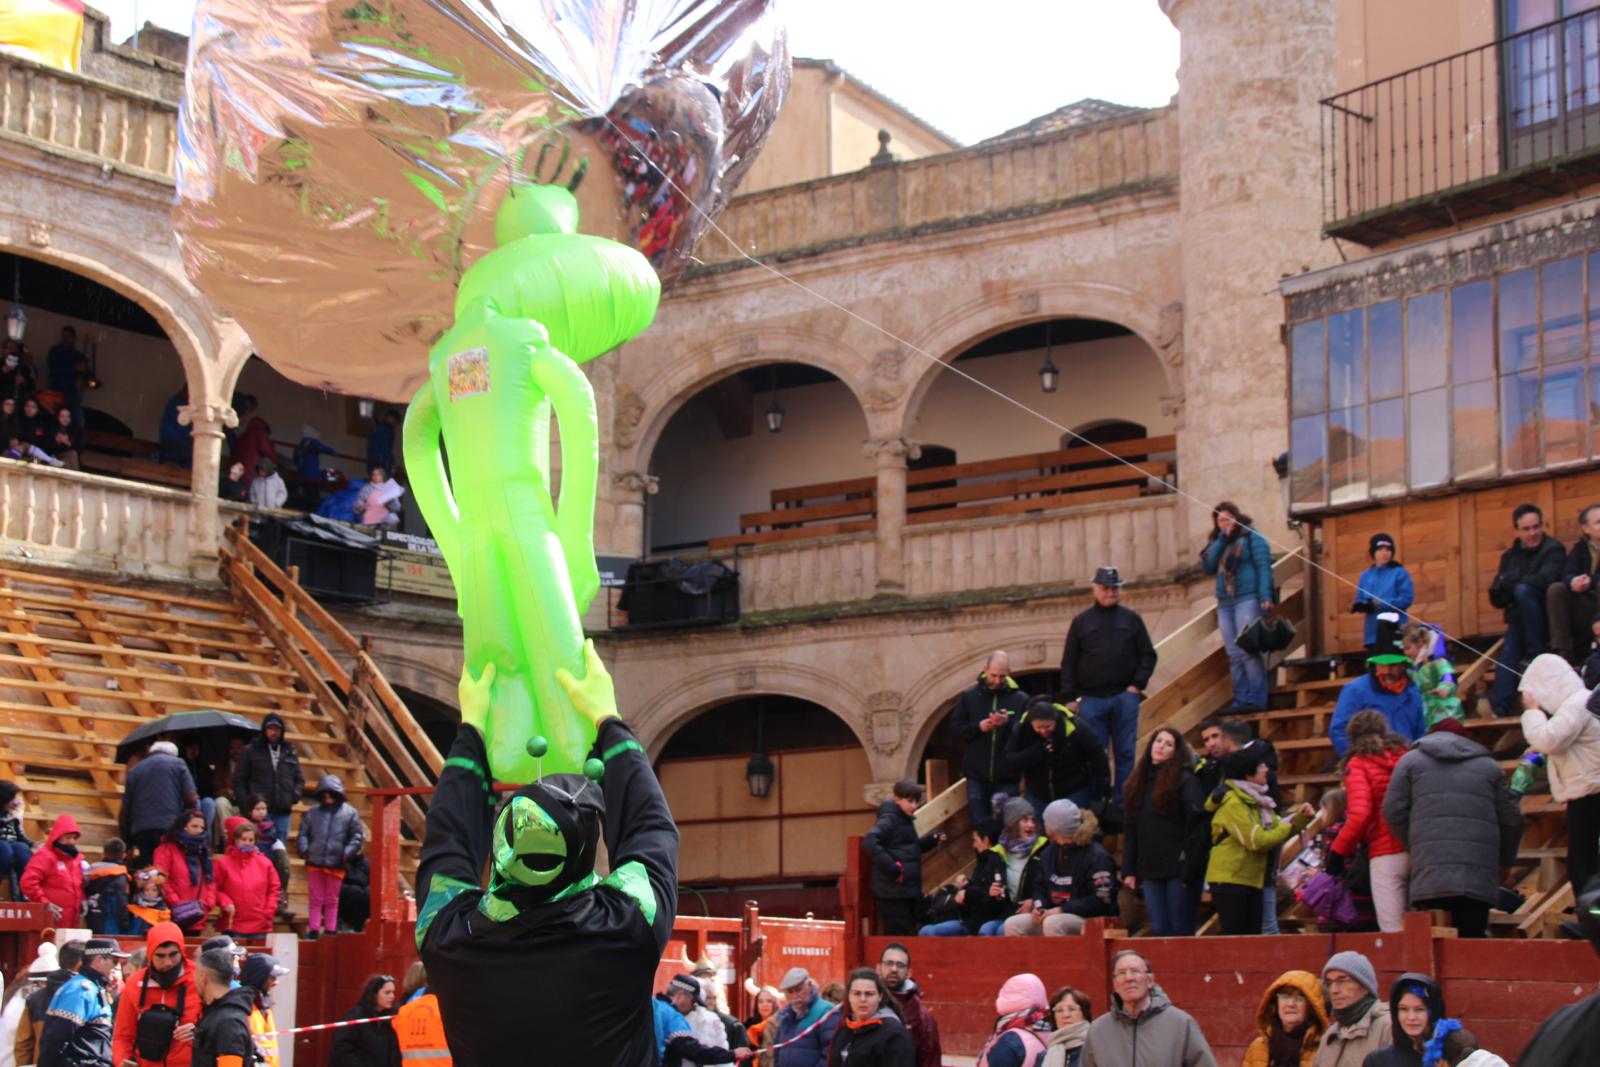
(546, 836)
(530, 210)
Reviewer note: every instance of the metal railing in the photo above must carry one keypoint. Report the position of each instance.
(1441, 137)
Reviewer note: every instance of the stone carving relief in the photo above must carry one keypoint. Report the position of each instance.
(1169, 334)
(625, 422)
(204, 415)
(637, 482)
(746, 678)
(1033, 652)
(886, 721)
(1028, 303)
(894, 447)
(38, 233)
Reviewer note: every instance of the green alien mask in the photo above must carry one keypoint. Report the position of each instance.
(545, 840)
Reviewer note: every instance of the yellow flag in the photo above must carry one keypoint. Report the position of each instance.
(45, 31)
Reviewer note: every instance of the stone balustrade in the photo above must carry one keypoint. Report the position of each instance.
(93, 522)
(93, 121)
(1031, 174)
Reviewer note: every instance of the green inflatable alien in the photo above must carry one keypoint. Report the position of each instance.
(527, 314)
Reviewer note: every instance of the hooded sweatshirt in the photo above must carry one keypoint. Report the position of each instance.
(146, 989)
(1161, 1034)
(1562, 727)
(1307, 985)
(57, 877)
(330, 834)
(1402, 1051)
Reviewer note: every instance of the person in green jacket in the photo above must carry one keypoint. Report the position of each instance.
(1433, 673)
(1245, 828)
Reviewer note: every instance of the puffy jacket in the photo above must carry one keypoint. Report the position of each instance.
(1240, 844)
(53, 878)
(141, 992)
(812, 1049)
(1063, 763)
(1402, 709)
(1539, 568)
(881, 1041)
(1077, 879)
(1307, 985)
(1563, 727)
(896, 853)
(77, 1028)
(1388, 588)
(1366, 781)
(983, 754)
(1252, 578)
(1162, 844)
(249, 882)
(330, 834)
(1450, 805)
(180, 885)
(1350, 1045)
(1161, 1034)
(158, 789)
(253, 773)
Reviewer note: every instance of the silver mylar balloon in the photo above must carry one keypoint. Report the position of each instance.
(340, 161)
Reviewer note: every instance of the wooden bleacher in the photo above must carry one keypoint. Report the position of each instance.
(1014, 485)
(84, 662)
(1296, 722)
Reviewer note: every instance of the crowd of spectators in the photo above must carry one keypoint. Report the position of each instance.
(43, 425)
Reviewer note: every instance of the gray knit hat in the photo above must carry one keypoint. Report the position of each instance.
(1062, 818)
(1014, 811)
(1356, 966)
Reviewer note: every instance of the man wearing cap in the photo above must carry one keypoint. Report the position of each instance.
(260, 974)
(222, 1038)
(1386, 687)
(807, 1020)
(156, 1013)
(1358, 1019)
(896, 849)
(159, 788)
(77, 1028)
(676, 1040)
(1521, 587)
(1076, 879)
(1105, 667)
(982, 722)
(549, 961)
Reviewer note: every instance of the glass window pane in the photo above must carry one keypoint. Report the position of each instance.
(1566, 427)
(1347, 455)
(1477, 440)
(1388, 444)
(1428, 444)
(1519, 321)
(1519, 422)
(1562, 285)
(1594, 302)
(1472, 333)
(1425, 341)
(1347, 363)
(1308, 392)
(1308, 462)
(1383, 350)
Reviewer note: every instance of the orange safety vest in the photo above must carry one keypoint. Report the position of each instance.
(264, 1032)
(420, 1031)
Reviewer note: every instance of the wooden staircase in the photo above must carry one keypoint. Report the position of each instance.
(83, 662)
(1302, 703)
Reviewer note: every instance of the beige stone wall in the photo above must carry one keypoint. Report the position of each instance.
(1378, 38)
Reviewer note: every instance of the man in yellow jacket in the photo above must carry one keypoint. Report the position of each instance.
(418, 1025)
(260, 974)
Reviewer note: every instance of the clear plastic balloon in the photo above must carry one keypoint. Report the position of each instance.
(341, 161)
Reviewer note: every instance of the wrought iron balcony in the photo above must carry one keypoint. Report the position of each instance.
(1475, 134)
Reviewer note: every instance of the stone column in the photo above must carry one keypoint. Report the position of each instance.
(206, 422)
(628, 533)
(891, 454)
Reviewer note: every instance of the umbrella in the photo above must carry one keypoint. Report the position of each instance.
(185, 722)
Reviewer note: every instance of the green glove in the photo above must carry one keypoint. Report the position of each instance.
(474, 694)
(594, 696)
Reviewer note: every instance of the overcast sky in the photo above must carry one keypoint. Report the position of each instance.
(970, 69)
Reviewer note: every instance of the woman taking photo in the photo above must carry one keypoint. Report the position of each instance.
(1242, 561)
(184, 857)
(871, 1034)
(1162, 808)
(1245, 828)
(373, 1045)
(1071, 1010)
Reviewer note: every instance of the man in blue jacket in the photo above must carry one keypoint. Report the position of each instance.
(1386, 687)
(805, 1008)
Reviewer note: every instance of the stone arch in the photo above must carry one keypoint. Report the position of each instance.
(676, 384)
(181, 311)
(1158, 325)
(404, 667)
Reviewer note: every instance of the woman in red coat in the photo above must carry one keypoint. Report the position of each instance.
(247, 883)
(184, 856)
(1374, 751)
(55, 874)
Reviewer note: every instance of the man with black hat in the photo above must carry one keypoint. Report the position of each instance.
(77, 1028)
(260, 974)
(1105, 667)
(549, 961)
(222, 1038)
(1387, 688)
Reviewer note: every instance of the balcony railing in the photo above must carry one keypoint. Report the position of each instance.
(1475, 134)
(86, 119)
